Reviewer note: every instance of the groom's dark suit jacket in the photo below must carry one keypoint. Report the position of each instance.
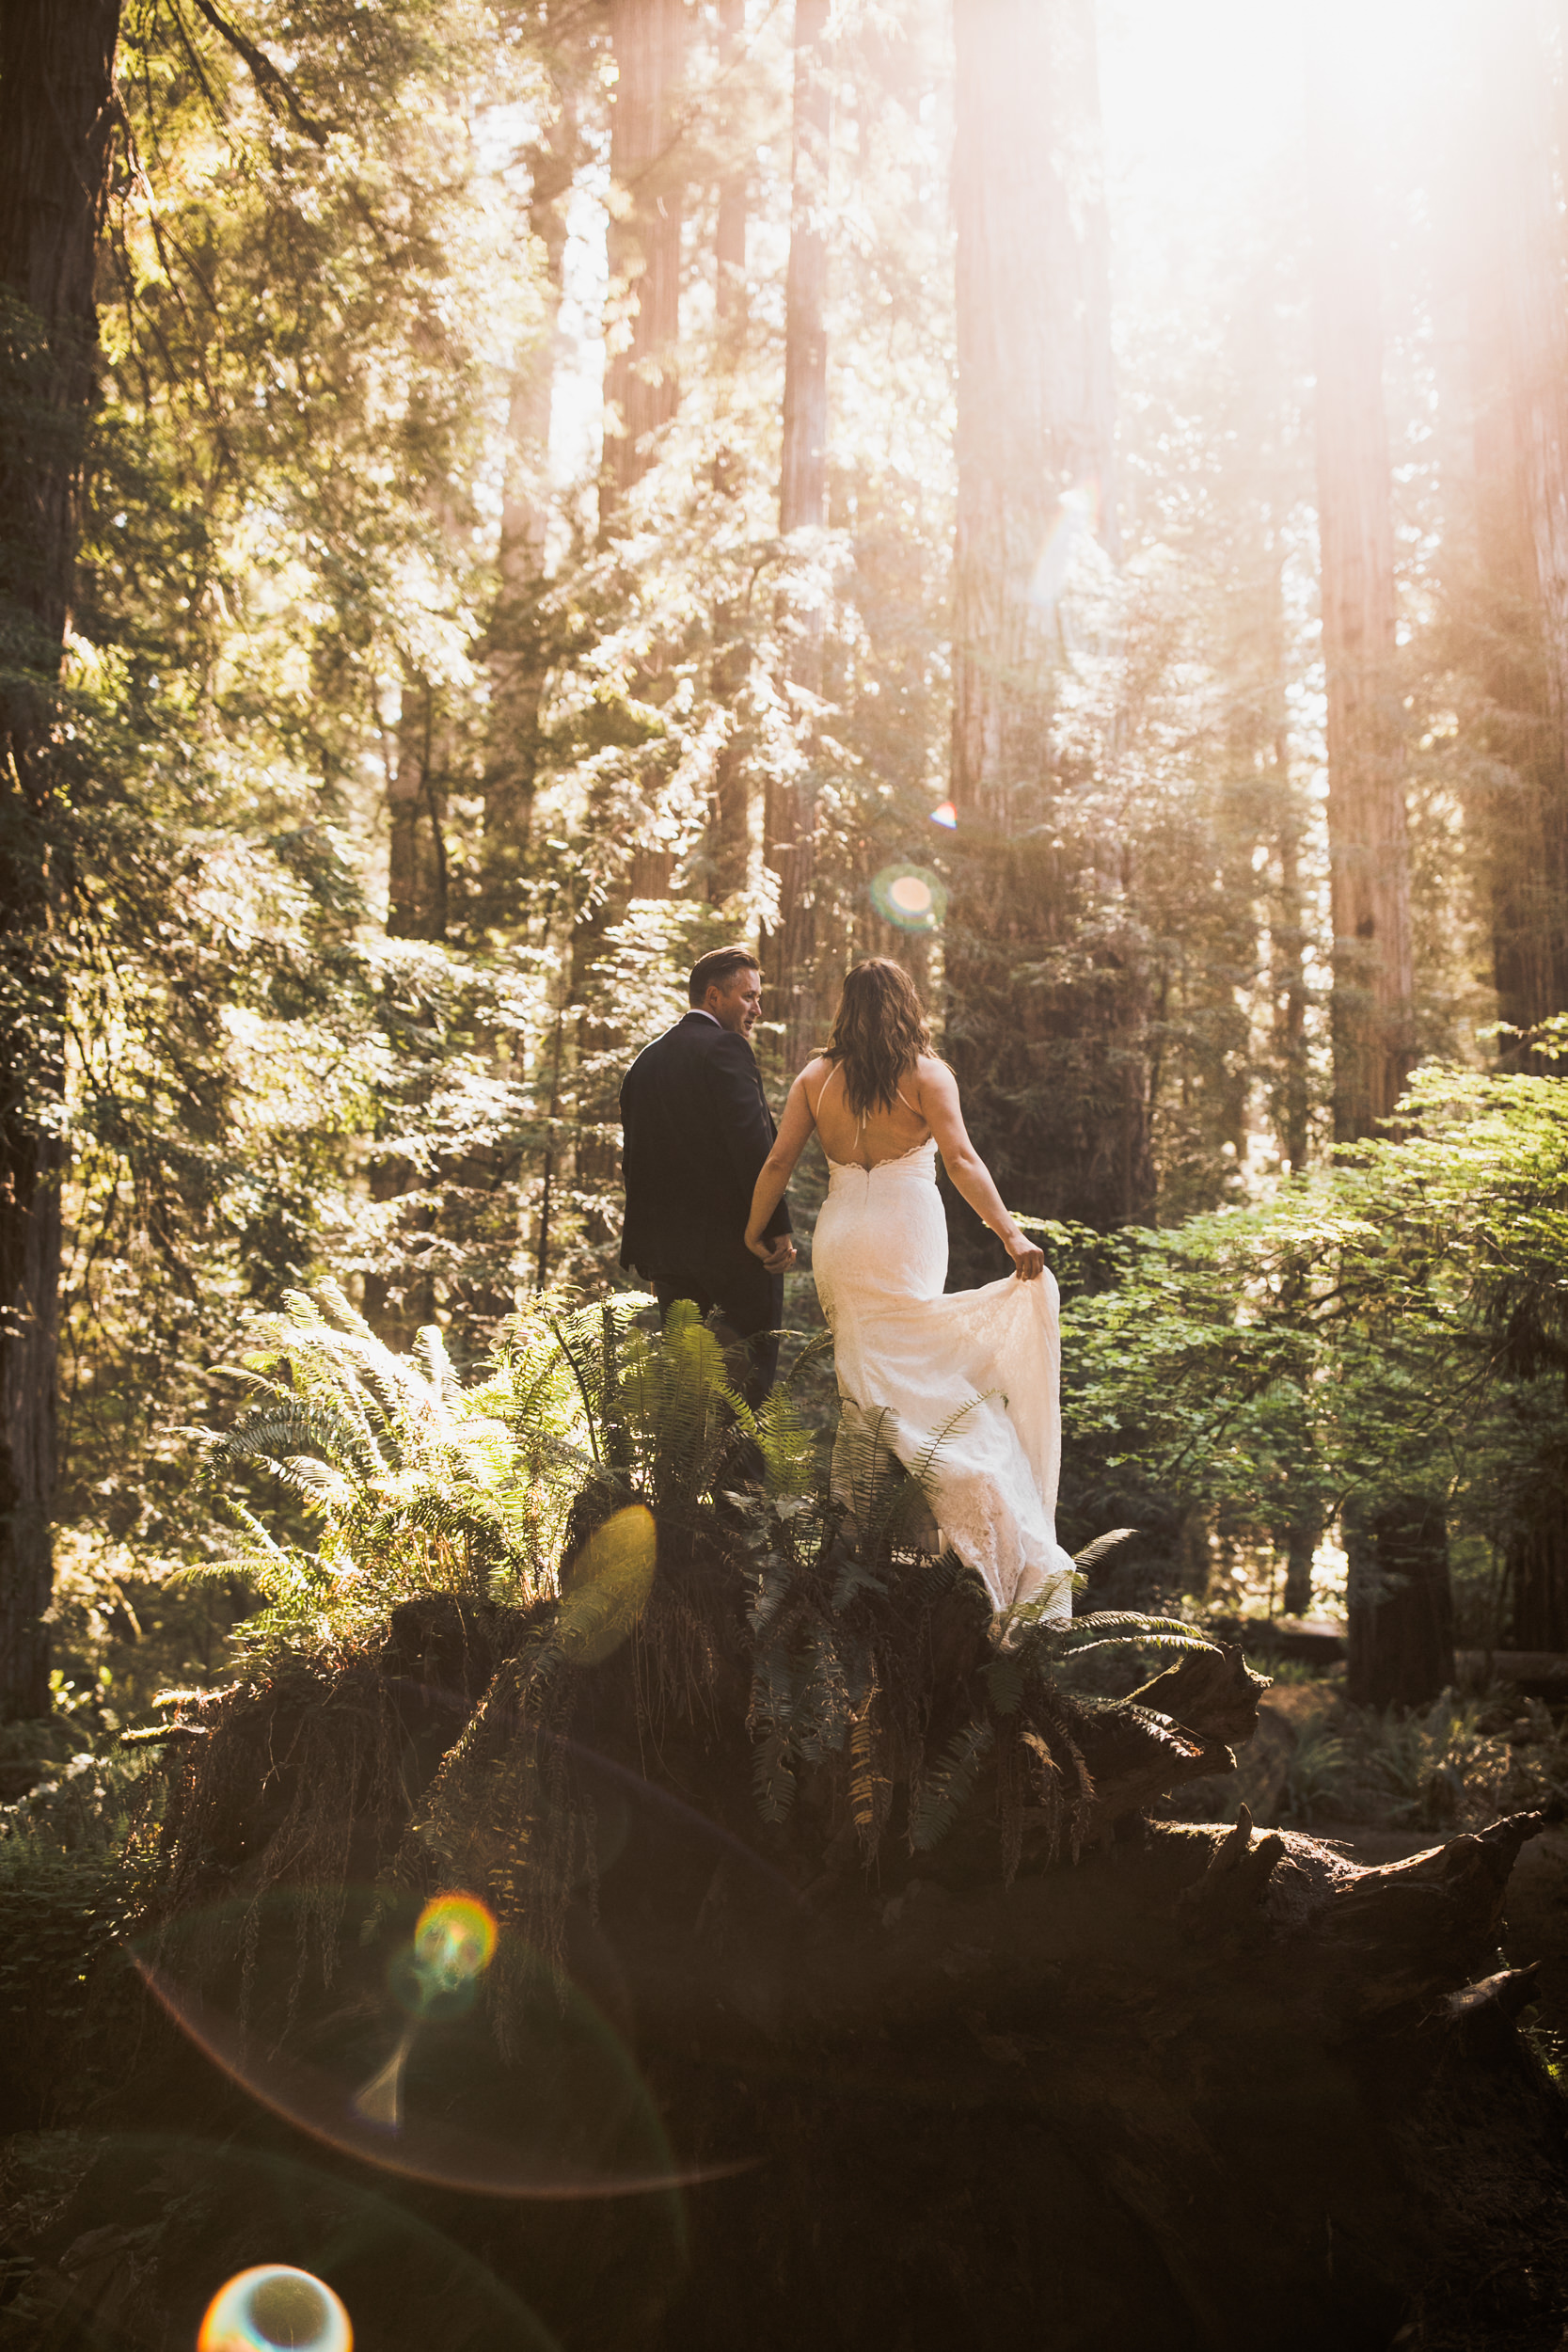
(697, 1128)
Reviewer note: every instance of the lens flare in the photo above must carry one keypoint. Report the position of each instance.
(605, 1589)
(946, 815)
(436, 1976)
(380, 2100)
(565, 2113)
(273, 2306)
(910, 897)
(382, 2260)
(454, 1941)
(1077, 518)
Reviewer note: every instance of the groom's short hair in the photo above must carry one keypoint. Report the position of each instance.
(719, 966)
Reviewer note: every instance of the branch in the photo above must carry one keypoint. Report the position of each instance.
(277, 93)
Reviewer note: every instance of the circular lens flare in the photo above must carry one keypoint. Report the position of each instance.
(275, 2307)
(437, 1974)
(455, 1940)
(606, 1588)
(910, 897)
(944, 814)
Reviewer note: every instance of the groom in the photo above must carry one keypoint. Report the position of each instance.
(697, 1128)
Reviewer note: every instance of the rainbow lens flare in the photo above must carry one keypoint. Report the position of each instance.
(606, 1588)
(1077, 520)
(910, 897)
(944, 814)
(439, 1973)
(455, 1940)
(274, 2309)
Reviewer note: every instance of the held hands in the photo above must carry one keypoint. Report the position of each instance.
(777, 1251)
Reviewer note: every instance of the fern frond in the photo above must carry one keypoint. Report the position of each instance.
(1189, 1641)
(1093, 1554)
(1160, 1728)
(772, 1778)
(937, 1804)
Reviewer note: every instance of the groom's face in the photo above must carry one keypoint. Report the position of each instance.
(736, 1003)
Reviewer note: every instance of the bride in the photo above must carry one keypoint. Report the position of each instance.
(964, 1384)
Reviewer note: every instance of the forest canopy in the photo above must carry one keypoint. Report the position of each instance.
(495, 500)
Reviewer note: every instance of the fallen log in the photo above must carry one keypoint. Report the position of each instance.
(779, 2084)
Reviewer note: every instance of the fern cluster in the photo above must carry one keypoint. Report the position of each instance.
(414, 1482)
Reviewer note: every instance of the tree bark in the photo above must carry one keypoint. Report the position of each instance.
(804, 478)
(1519, 355)
(518, 653)
(729, 240)
(640, 383)
(416, 793)
(1374, 1041)
(1401, 1606)
(789, 948)
(1051, 1065)
(56, 94)
(729, 830)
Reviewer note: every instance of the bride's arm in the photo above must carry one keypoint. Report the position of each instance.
(795, 1131)
(938, 1091)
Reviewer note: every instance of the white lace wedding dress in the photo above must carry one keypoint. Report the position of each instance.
(969, 1378)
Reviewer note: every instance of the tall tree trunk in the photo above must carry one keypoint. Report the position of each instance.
(1374, 1044)
(804, 477)
(729, 241)
(56, 92)
(1400, 1636)
(416, 793)
(1051, 1070)
(729, 835)
(640, 384)
(1519, 365)
(789, 949)
(518, 653)
(398, 1304)
(1400, 1604)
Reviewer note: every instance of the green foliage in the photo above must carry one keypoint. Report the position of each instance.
(1454, 1765)
(418, 1484)
(1394, 1323)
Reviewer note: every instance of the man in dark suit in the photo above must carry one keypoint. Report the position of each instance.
(697, 1128)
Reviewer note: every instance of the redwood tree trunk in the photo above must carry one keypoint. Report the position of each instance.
(729, 833)
(416, 793)
(1374, 1046)
(1518, 338)
(640, 384)
(729, 240)
(57, 83)
(1049, 1057)
(790, 949)
(518, 649)
(1400, 1604)
(803, 480)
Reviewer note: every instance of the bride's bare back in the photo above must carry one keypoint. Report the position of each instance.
(882, 1134)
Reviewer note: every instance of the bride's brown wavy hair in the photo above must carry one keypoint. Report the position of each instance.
(878, 1031)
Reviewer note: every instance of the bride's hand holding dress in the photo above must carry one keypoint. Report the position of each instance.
(965, 1381)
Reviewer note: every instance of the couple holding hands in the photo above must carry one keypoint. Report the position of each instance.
(964, 1383)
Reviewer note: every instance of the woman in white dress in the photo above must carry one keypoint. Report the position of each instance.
(966, 1382)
